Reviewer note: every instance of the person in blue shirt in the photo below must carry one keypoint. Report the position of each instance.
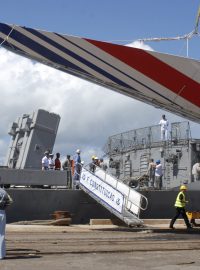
(5, 200)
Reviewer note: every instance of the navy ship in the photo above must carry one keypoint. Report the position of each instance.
(137, 74)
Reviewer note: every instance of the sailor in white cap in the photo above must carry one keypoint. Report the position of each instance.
(5, 200)
(45, 161)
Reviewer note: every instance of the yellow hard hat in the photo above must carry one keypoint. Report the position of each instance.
(183, 187)
(93, 157)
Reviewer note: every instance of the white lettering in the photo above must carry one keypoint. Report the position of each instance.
(102, 190)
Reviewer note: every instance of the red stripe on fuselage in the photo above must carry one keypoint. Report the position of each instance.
(155, 69)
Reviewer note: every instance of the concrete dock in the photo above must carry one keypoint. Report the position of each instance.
(153, 246)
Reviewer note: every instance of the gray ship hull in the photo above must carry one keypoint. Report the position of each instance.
(38, 204)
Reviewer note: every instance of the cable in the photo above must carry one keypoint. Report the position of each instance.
(186, 36)
(6, 38)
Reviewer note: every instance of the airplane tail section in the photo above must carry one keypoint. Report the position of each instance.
(165, 81)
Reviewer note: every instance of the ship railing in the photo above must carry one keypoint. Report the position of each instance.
(33, 178)
(146, 137)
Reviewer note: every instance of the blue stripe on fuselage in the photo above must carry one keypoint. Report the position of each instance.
(40, 49)
(77, 57)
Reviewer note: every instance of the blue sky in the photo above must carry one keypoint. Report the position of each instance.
(106, 20)
(110, 19)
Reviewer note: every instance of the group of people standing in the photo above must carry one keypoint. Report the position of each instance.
(155, 173)
(71, 166)
(48, 162)
(96, 162)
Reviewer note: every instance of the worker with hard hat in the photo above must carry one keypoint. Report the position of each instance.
(96, 161)
(180, 208)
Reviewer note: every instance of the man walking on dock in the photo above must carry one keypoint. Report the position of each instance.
(180, 208)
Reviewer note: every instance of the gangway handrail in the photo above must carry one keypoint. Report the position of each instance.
(127, 198)
(142, 208)
(145, 198)
(130, 189)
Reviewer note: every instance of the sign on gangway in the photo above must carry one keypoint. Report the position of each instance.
(102, 190)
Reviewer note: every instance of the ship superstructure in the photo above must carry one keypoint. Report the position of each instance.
(31, 135)
(131, 151)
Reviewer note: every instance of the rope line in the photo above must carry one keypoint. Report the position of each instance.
(6, 38)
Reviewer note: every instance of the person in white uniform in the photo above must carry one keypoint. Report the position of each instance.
(158, 175)
(164, 123)
(51, 162)
(196, 171)
(5, 200)
(45, 161)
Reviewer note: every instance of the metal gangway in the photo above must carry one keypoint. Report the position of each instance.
(120, 199)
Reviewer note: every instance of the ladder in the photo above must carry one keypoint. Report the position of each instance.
(144, 162)
(167, 166)
(167, 174)
(121, 200)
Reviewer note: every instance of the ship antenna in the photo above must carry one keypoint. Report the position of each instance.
(197, 22)
(186, 36)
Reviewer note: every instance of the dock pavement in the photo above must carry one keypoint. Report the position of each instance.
(101, 246)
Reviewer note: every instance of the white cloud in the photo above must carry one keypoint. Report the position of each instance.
(89, 113)
(140, 45)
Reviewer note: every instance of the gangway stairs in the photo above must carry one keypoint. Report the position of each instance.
(121, 200)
